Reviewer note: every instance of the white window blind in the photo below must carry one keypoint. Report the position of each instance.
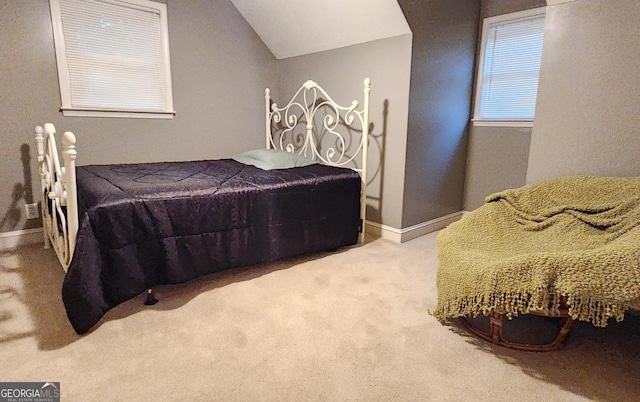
(510, 66)
(113, 57)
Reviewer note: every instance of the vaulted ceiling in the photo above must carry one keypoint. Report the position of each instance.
(296, 27)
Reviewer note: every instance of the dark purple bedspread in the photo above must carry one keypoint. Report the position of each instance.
(143, 225)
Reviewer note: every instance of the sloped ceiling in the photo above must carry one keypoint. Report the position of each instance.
(296, 27)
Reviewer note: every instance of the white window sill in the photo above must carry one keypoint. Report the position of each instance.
(118, 114)
(502, 123)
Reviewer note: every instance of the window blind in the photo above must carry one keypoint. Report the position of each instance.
(509, 81)
(116, 59)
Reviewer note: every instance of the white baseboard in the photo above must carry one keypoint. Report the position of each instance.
(384, 231)
(411, 232)
(18, 238)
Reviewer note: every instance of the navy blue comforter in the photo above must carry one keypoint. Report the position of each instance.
(147, 224)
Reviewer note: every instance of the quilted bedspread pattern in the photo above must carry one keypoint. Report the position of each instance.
(576, 238)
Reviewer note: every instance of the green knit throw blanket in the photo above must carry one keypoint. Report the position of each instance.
(574, 237)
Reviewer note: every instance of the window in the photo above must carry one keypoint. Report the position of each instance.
(113, 58)
(509, 67)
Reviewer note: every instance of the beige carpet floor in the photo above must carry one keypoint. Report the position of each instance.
(353, 325)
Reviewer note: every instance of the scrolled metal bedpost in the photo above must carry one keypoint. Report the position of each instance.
(43, 183)
(69, 155)
(365, 143)
(267, 101)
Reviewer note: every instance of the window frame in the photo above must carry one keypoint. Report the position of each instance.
(486, 25)
(64, 77)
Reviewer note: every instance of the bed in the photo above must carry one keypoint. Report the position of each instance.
(120, 230)
(563, 249)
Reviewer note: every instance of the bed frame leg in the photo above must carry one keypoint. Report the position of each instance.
(151, 298)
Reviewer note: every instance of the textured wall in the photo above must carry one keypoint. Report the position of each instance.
(587, 119)
(220, 68)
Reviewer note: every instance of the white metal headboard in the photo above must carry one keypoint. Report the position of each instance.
(293, 128)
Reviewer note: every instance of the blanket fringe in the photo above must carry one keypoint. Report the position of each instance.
(543, 301)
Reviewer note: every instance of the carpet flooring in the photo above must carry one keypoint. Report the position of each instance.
(353, 325)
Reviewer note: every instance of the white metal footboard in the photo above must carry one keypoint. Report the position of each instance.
(60, 203)
(312, 124)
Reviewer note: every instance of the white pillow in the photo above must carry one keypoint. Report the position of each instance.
(269, 159)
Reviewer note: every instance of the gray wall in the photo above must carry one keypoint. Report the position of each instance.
(424, 159)
(220, 68)
(497, 160)
(444, 47)
(498, 156)
(341, 73)
(587, 119)
(492, 8)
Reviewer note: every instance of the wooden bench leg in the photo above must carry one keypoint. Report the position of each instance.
(495, 333)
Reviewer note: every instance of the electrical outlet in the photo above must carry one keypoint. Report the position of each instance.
(32, 210)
